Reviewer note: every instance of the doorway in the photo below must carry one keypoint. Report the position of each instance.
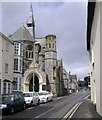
(36, 84)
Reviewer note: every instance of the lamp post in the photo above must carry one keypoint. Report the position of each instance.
(34, 62)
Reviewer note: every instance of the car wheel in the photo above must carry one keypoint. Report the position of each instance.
(31, 104)
(12, 110)
(47, 100)
(24, 106)
(38, 102)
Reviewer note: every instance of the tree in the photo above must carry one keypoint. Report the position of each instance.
(86, 81)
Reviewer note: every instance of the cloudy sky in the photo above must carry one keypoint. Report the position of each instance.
(67, 20)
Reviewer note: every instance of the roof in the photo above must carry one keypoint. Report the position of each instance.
(91, 7)
(22, 34)
(73, 76)
(6, 38)
(50, 35)
(30, 19)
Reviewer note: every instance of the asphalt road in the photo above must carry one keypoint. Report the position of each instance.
(55, 109)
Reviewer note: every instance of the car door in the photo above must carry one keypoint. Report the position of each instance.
(17, 102)
(21, 100)
(36, 98)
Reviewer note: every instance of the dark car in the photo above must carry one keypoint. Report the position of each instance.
(11, 102)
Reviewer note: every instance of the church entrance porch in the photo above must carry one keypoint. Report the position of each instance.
(34, 79)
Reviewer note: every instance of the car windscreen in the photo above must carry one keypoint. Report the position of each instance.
(42, 93)
(6, 98)
(27, 94)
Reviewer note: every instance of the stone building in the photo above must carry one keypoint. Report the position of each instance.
(6, 64)
(73, 83)
(94, 47)
(36, 67)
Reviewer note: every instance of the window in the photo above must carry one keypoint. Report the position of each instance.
(21, 50)
(20, 65)
(16, 64)
(17, 83)
(54, 73)
(53, 45)
(7, 47)
(16, 97)
(49, 38)
(43, 87)
(6, 87)
(49, 45)
(6, 68)
(16, 50)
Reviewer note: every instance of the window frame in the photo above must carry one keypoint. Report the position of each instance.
(7, 87)
(7, 47)
(18, 83)
(6, 68)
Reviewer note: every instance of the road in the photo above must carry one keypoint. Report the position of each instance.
(55, 109)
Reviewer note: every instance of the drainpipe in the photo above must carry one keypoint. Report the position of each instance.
(34, 62)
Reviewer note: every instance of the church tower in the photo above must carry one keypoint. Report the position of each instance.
(51, 60)
(30, 22)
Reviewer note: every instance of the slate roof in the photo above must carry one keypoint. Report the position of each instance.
(6, 38)
(22, 34)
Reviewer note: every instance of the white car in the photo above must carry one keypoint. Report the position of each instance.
(31, 98)
(45, 96)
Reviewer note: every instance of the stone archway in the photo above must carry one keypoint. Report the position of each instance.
(40, 78)
(36, 84)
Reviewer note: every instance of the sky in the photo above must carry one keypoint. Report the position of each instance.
(67, 20)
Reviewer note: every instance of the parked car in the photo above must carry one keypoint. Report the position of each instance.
(11, 102)
(31, 98)
(45, 96)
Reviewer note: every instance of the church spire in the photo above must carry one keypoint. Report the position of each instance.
(30, 22)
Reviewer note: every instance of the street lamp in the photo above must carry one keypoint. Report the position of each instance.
(34, 62)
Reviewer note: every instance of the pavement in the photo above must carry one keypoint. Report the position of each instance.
(86, 110)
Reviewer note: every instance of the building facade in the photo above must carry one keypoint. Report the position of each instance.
(6, 64)
(73, 83)
(94, 46)
(33, 62)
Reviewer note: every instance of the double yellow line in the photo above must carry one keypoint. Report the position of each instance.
(72, 111)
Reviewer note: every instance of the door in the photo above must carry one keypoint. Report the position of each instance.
(17, 101)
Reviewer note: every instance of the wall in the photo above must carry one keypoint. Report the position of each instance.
(95, 54)
(7, 57)
(0, 63)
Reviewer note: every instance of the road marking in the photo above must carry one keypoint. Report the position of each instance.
(75, 110)
(44, 113)
(87, 96)
(71, 110)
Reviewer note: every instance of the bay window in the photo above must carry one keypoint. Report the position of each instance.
(6, 87)
(17, 83)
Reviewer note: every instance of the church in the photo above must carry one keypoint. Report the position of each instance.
(35, 64)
